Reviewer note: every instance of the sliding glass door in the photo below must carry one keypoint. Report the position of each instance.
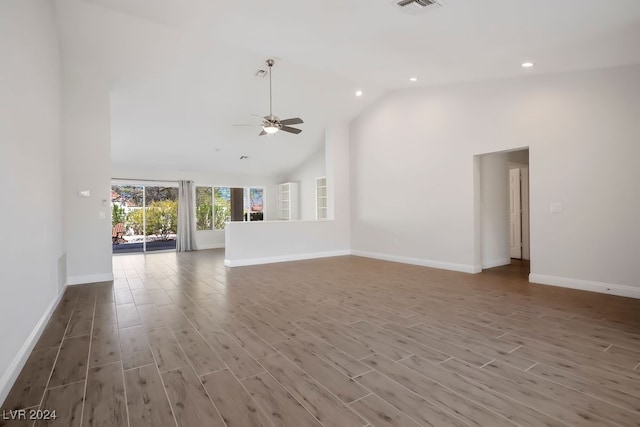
(161, 217)
(143, 217)
(127, 218)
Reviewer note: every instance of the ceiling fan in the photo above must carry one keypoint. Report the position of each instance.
(272, 124)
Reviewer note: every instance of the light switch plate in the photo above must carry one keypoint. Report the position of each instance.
(556, 207)
(102, 215)
(84, 193)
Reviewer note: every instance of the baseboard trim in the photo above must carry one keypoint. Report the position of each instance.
(284, 258)
(205, 247)
(17, 364)
(89, 278)
(496, 263)
(586, 285)
(465, 268)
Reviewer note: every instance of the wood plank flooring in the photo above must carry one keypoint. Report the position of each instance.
(180, 340)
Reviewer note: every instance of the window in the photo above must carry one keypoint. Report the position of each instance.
(221, 206)
(254, 203)
(204, 208)
(213, 206)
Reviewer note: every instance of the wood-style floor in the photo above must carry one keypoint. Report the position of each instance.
(178, 339)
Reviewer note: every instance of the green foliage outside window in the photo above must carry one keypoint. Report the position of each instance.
(162, 219)
(118, 215)
(135, 221)
(221, 206)
(213, 206)
(204, 208)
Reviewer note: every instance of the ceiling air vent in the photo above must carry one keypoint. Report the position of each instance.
(416, 6)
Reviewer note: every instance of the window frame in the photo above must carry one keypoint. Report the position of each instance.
(198, 204)
(245, 190)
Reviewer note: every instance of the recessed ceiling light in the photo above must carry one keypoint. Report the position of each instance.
(413, 79)
(527, 64)
(359, 93)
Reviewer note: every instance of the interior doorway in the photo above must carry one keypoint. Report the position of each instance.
(501, 209)
(519, 211)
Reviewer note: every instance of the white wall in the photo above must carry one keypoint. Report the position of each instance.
(305, 175)
(250, 243)
(210, 238)
(87, 161)
(413, 191)
(275, 241)
(30, 167)
(494, 209)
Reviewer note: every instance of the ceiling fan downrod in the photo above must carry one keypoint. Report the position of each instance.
(270, 63)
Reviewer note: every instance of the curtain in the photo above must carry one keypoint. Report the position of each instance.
(186, 238)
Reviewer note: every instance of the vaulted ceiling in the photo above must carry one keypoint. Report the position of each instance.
(181, 73)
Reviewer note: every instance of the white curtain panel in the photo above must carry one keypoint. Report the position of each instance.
(186, 239)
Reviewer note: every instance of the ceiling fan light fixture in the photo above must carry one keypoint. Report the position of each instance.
(272, 124)
(271, 129)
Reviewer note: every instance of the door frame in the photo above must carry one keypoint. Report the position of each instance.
(144, 183)
(515, 212)
(525, 206)
(524, 198)
(477, 206)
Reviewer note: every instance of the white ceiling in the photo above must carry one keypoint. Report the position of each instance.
(181, 72)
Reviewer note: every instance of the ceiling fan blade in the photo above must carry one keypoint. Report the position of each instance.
(290, 130)
(262, 133)
(295, 121)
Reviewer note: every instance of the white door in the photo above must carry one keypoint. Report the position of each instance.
(515, 218)
(524, 203)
